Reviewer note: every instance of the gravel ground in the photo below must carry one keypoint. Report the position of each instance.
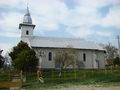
(87, 88)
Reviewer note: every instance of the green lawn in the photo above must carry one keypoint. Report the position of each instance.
(109, 77)
(74, 77)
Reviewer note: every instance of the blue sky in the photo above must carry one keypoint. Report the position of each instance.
(93, 20)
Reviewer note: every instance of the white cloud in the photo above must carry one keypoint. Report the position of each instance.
(112, 18)
(6, 47)
(97, 3)
(84, 10)
(9, 24)
(10, 21)
(9, 34)
(45, 24)
(104, 34)
(12, 3)
(80, 32)
(48, 15)
(83, 32)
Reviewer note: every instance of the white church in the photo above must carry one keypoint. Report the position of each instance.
(91, 54)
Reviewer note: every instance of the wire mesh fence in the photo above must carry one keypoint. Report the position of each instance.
(59, 76)
(10, 78)
(8, 75)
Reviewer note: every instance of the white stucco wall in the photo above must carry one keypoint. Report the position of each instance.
(45, 62)
(101, 56)
(90, 62)
(26, 28)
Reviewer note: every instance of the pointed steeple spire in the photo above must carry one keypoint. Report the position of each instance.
(27, 18)
(26, 26)
(27, 12)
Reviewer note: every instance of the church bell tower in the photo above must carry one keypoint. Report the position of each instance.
(26, 26)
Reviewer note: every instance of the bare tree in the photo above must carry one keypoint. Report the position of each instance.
(67, 57)
(111, 51)
(79, 64)
(112, 58)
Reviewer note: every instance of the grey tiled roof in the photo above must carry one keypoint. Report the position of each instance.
(53, 42)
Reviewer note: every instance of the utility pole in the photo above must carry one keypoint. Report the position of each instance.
(118, 38)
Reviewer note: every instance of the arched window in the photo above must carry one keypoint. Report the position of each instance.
(27, 32)
(50, 56)
(84, 57)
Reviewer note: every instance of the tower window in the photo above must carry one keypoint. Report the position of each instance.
(84, 57)
(49, 56)
(27, 32)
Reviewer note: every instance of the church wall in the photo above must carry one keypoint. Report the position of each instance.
(101, 56)
(89, 62)
(45, 62)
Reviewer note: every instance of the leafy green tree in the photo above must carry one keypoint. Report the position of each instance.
(23, 57)
(116, 61)
(17, 49)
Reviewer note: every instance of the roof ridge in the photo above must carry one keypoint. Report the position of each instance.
(59, 38)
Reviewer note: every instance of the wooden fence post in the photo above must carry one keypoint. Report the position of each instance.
(9, 75)
(111, 69)
(21, 77)
(64, 76)
(74, 74)
(84, 74)
(52, 75)
(38, 75)
(105, 70)
(93, 73)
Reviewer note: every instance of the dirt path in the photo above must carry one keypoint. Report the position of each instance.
(88, 88)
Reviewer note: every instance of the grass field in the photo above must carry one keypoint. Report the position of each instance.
(52, 78)
(110, 77)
